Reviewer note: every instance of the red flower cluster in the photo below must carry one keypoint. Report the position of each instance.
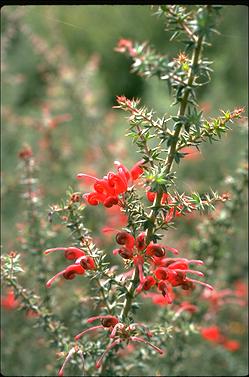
(169, 273)
(119, 333)
(214, 335)
(108, 189)
(81, 263)
(166, 272)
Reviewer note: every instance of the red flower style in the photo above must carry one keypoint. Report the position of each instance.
(71, 352)
(119, 333)
(81, 263)
(108, 189)
(9, 302)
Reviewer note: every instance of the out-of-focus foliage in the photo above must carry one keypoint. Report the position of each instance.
(60, 77)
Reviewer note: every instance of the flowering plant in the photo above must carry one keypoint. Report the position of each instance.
(143, 263)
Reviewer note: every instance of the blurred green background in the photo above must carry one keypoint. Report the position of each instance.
(61, 60)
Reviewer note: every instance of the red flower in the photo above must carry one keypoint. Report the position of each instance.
(69, 273)
(32, 314)
(164, 287)
(108, 189)
(173, 270)
(107, 321)
(69, 252)
(158, 250)
(155, 250)
(119, 332)
(140, 241)
(9, 302)
(82, 262)
(126, 239)
(231, 345)
(133, 249)
(212, 333)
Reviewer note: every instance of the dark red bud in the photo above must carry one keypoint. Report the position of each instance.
(155, 250)
(87, 263)
(125, 238)
(121, 238)
(71, 271)
(125, 253)
(109, 321)
(188, 285)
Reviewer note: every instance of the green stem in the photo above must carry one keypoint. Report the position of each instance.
(169, 162)
(175, 138)
(130, 294)
(184, 103)
(105, 299)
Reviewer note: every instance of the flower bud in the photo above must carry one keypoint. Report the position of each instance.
(109, 321)
(125, 238)
(71, 271)
(155, 250)
(125, 253)
(87, 262)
